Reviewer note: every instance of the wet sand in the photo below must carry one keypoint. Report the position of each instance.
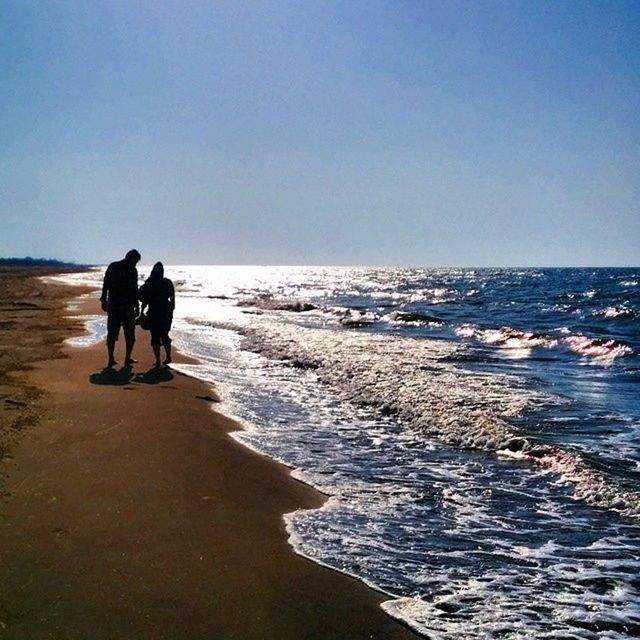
(130, 513)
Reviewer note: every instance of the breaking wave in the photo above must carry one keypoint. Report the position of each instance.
(599, 350)
(413, 381)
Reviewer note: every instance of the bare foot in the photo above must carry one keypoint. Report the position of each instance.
(130, 361)
(112, 363)
(167, 361)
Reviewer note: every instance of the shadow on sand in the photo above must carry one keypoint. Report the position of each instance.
(109, 375)
(154, 375)
(124, 376)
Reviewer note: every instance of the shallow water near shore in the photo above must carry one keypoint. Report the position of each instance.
(476, 431)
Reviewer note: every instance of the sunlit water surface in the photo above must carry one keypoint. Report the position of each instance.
(476, 431)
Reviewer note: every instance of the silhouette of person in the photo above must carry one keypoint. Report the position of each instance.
(158, 294)
(120, 300)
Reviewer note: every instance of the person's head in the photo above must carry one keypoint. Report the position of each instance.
(133, 257)
(157, 271)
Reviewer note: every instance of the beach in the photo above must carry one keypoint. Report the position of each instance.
(472, 430)
(393, 244)
(129, 511)
(335, 452)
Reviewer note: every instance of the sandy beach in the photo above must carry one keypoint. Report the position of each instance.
(129, 512)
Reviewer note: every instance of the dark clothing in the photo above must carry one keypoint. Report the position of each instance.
(160, 331)
(159, 294)
(121, 316)
(120, 296)
(121, 284)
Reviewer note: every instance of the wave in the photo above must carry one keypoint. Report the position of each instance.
(438, 295)
(414, 381)
(596, 350)
(599, 350)
(623, 313)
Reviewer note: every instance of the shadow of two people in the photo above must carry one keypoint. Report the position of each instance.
(125, 375)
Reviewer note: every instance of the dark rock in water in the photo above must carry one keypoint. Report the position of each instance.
(351, 323)
(620, 504)
(268, 303)
(301, 364)
(447, 607)
(388, 410)
(409, 316)
(539, 452)
(480, 442)
(517, 444)
(219, 297)
(297, 307)
(263, 301)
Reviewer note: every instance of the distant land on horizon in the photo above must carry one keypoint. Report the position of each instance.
(28, 261)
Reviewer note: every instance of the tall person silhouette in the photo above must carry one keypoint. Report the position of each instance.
(120, 300)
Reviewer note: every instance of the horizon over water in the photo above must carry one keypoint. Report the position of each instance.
(476, 430)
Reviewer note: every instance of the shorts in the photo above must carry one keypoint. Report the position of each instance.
(159, 326)
(124, 317)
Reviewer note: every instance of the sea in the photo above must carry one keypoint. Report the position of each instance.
(476, 431)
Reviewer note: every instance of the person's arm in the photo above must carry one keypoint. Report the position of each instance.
(142, 296)
(172, 296)
(136, 308)
(106, 283)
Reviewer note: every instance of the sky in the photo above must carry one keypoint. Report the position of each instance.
(412, 133)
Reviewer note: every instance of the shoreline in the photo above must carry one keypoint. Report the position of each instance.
(139, 516)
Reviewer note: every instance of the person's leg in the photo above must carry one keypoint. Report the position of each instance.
(156, 353)
(155, 341)
(166, 340)
(113, 329)
(111, 345)
(129, 327)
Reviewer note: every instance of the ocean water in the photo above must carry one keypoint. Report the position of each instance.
(477, 431)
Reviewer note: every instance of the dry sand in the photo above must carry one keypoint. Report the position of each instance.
(131, 513)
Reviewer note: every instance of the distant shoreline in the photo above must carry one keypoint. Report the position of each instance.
(40, 262)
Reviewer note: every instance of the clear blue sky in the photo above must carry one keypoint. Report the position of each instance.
(302, 132)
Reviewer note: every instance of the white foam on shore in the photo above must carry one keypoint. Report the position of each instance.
(408, 378)
(347, 533)
(96, 331)
(95, 325)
